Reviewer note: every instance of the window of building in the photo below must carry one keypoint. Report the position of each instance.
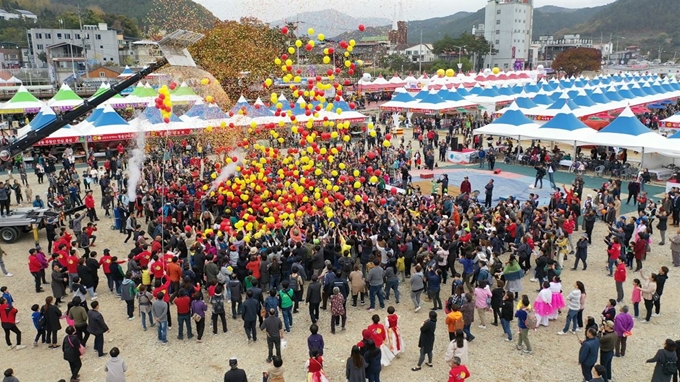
(58, 36)
(101, 46)
(98, 37)
(104, 59)
(48, 36)
(498, 31)
(102, 74)
(77, 36)
(498, 22)
(67, 36)
(505, 66)
(498, 11)
(38, 35)
(497, 42)
(39, 46)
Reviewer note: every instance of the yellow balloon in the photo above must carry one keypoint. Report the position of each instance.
(205, 81)
(496, 70)
(357, 198)
(334, 135)
(278, 61)
(326, 59)
(350, 48)
(268, 82)
(373, 179)
(386, 143)
(352, 42)
(346, 138)
(289, 62)
(342, 166)
(298, 43)
(310, 31)
(441, 72)
(321, 37)
(450, 72)
(356, 173)
(357, 184)
(291, 50)
(347, 203)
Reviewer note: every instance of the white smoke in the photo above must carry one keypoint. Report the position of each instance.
(228, 170)
(136, 162)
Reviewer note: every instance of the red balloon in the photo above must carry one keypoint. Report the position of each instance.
(383, 201)
(362, 27)
(371, 155)
(284, 56)
(352, 105)
(166, 120)
(173, 85)
(388, 137)
(331, 50)
(284, 30)
(377, 172)
(393, 191)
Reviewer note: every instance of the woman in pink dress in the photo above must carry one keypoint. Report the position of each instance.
(542, 305)
(314, 368)
(557, 301)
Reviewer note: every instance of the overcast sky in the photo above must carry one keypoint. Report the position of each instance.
(269, 10)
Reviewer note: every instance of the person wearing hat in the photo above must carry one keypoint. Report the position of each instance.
(465, 186)
(607, 338)
(235, 374)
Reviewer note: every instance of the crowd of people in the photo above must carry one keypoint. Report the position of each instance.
(269, 230)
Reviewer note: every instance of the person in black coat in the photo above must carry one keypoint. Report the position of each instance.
(96, 326)
(313, 299)
(86, 276)
(93, 264)
(71, 349)
(426, 340)
(52, 324)
(250, 310)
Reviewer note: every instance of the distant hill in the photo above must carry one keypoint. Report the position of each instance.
(331, 22)
(158, 14)
(634, 19)
(548, 20)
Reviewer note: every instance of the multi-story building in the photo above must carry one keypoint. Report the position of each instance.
(10, 56)
(507, 26)
(419, 53)
(68, 48)
(399, 33)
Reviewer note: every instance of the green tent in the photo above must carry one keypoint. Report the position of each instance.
(22, 102)
(65, 99)
(184, 93)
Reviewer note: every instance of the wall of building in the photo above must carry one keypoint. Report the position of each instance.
(100, 44)
(507, 26)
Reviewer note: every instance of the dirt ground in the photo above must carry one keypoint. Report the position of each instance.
(555, 358)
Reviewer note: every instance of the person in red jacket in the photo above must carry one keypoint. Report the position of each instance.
(72, 267)
(62, 255)
(89, 231)
(89, 204)
(465, 186)
(378, 332)
(620, 277)
(458, 372)
(8, 317)
(143, 257)
(105, 263)
(165, 288)
(254, 265)
(568, 227)
(35, 266)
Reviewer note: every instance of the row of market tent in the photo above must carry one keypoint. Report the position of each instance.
(625, 131)
(66, 98)
(105, 124)
(543, 100)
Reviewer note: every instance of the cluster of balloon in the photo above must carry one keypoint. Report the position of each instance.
(273, 187)
(446, 73)
(163, 102)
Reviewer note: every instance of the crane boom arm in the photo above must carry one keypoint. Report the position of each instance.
(35, 136)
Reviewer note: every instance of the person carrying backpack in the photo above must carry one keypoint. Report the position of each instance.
(217, 303)
(295, 284)
(286, 295)
(666, 360)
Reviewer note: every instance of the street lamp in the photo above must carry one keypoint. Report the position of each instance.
(460, 50)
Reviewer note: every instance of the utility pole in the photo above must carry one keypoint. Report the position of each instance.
(420, 54)
(82, 41)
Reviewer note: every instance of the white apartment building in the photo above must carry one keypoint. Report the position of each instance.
(507, 26)
(93, 44)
